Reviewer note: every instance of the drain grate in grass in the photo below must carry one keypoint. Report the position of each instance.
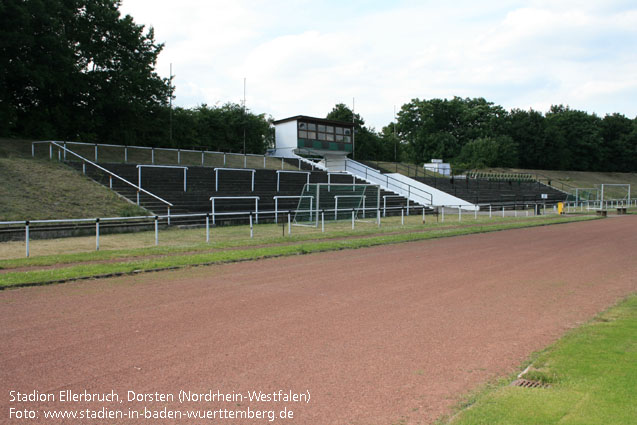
(525, 383)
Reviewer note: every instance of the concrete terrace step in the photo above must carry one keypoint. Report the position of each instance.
(168, 184)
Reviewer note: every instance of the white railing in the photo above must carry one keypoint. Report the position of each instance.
(276, 204)
(278, 176)
(232, 169)
(256, 204)
(111, 175)
(528, 209)
(389, 183)
(139, 172)
(224, 156)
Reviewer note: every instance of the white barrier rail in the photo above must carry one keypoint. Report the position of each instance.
(389, 183)
(441, 212)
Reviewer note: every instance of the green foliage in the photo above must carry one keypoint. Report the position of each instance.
(488, 152)
(77, 70)
(222, 129)
(367, 143)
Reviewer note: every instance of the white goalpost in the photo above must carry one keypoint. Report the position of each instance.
(612, 192)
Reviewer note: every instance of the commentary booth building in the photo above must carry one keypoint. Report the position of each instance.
(313, 136)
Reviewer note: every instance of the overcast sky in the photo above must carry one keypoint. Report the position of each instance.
(302, 57)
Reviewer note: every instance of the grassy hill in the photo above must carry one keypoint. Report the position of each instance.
(33, 189)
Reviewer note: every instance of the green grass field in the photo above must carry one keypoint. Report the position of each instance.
(592, 373)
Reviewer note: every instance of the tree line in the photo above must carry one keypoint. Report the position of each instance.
(78, 70)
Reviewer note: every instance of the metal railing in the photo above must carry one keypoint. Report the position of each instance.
(389, 183)
(441, 212)
(111, 175)
(256, 204)
(278, 176)
(139, 172)
(232, 169)
(104, 152)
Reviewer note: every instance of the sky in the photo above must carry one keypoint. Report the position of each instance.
(303, 57)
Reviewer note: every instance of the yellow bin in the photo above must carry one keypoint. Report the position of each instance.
(560, 207)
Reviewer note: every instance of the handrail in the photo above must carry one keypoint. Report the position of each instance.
(140, 166)
(380, 176)
(217, 169)
(276, 203)
(139, 189)
(178, 150)
(278, 176)
(256, 204)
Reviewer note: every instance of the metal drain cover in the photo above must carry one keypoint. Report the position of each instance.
(525, 383)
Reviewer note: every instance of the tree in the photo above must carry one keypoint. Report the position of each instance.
(527, 129)
(488, 152)
(76, 69)
(574, 140)
(367, 144)
(222, 128)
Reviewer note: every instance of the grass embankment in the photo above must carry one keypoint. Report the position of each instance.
(95, 264)
(34, 189)
(584, 179)
(592, 374)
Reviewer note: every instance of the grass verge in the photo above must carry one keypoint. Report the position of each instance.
(81, 271)
(592, 373)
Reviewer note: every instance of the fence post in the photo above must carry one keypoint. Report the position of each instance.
(489, 210)
(402, 216)
(178, 156)
(95, 152)
(125, 154)
(110, 181)
(168, 214)
(245, 161)
(263, 161)
(33, 150)
(84, 168)
(502, 210)
(97, 234)
(443, 214)
(459, 213)
(26, 236)
(251, 230)
(202, 158)
(156, 230)
(50, 151)
(475, 212)
(322, 221)
(423, 209)
(378, 216)
(207, 228)
(137, 197)
(152, 155)
(289, 224)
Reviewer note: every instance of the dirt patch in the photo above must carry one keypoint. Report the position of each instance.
(382, 335)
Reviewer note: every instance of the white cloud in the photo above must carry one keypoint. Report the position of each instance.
(304, 57)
